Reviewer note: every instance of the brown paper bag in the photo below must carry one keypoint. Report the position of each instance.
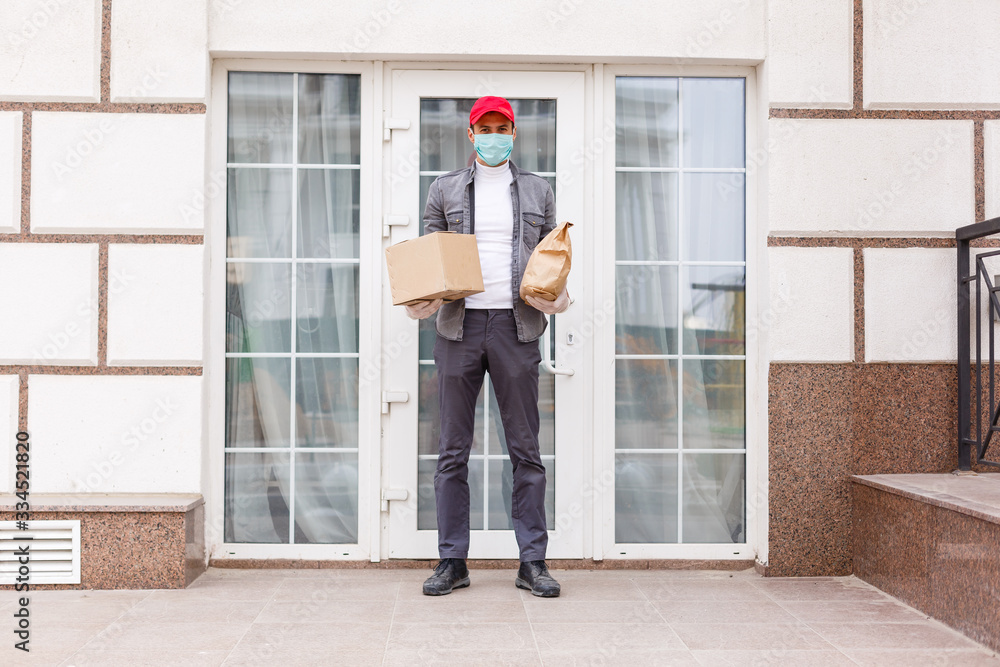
(548, 267)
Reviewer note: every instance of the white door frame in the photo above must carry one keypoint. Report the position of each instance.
(594, 510)
(404, 88)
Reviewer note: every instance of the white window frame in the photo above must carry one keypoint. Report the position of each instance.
(604, 286)
(369, 289)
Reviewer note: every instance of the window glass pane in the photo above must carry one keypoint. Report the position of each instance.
(646, 498)
(329, 213)
(714, 510)
(714, 123)
(327, 304)
(257, 391)
(684, 273)
(256, 488)
(714, 404)
(259, 213)
(714, 222)
(646, 121)
(326, 397)
(258, 307)
(714, 310)
(329, 119)
(646, 216)
(262, 410)
(260, 117)
(646, 310)
(326, 497)
(645, 404)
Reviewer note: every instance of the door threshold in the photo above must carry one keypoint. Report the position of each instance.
(481, 564)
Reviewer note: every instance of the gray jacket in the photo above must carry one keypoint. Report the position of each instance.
(534, 217)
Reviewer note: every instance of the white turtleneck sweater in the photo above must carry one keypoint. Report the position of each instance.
(494, 235)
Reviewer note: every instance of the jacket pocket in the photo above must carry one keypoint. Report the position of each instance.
(454, 220)
(532, 227)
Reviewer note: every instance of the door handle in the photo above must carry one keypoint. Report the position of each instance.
(547, 353)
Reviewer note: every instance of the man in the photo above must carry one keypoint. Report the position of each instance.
(509, 211)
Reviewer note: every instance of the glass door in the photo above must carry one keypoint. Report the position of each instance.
(430, 110)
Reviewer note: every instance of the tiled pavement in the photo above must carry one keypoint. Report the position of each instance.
(380, 617)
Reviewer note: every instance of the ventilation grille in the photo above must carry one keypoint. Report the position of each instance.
(53, 551)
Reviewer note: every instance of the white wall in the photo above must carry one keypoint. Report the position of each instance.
(50, 50)
(10, 171)
(931, 54)
(115, 434)
(810, 317)
(527, 30)
(862, 177)
(8, 430)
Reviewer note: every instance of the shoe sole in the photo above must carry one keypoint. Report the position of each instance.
(521, 583)
(462, 583)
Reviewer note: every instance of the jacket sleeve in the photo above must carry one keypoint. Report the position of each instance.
(434, 220)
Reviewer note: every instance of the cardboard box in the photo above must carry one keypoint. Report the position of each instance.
(440, 265)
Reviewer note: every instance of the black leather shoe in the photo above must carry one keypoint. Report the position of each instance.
(450, 573)
(534, 576)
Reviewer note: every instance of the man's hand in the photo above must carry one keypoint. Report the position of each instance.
(424, 309)
(549, 307)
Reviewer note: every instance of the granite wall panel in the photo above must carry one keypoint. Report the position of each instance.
(830, 421)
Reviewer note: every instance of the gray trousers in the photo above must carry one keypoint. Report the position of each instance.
(489, 343)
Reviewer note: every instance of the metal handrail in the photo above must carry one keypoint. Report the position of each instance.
(981, 440)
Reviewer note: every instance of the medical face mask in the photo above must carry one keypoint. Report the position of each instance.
(494, 148)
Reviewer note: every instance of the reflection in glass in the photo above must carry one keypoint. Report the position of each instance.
(645, 404)
(646, 310)
(258, 307)
(329, 214)
(259, 215)
(714, 213)
(714, 510)
(645, 121)
(714, 404)
(256, 487)
(329, 119)
(260, 117)
(328, 310)
(646, 216)
(714, 299)
(714, 122)
(646, 498)
(326, 396)
(326, 497)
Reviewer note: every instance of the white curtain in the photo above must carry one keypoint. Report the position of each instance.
(261, 399)
(666, 308)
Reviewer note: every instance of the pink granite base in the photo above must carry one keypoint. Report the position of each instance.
(933, 541)
(130, 548)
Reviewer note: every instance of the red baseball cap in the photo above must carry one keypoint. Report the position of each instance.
(490, 103)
